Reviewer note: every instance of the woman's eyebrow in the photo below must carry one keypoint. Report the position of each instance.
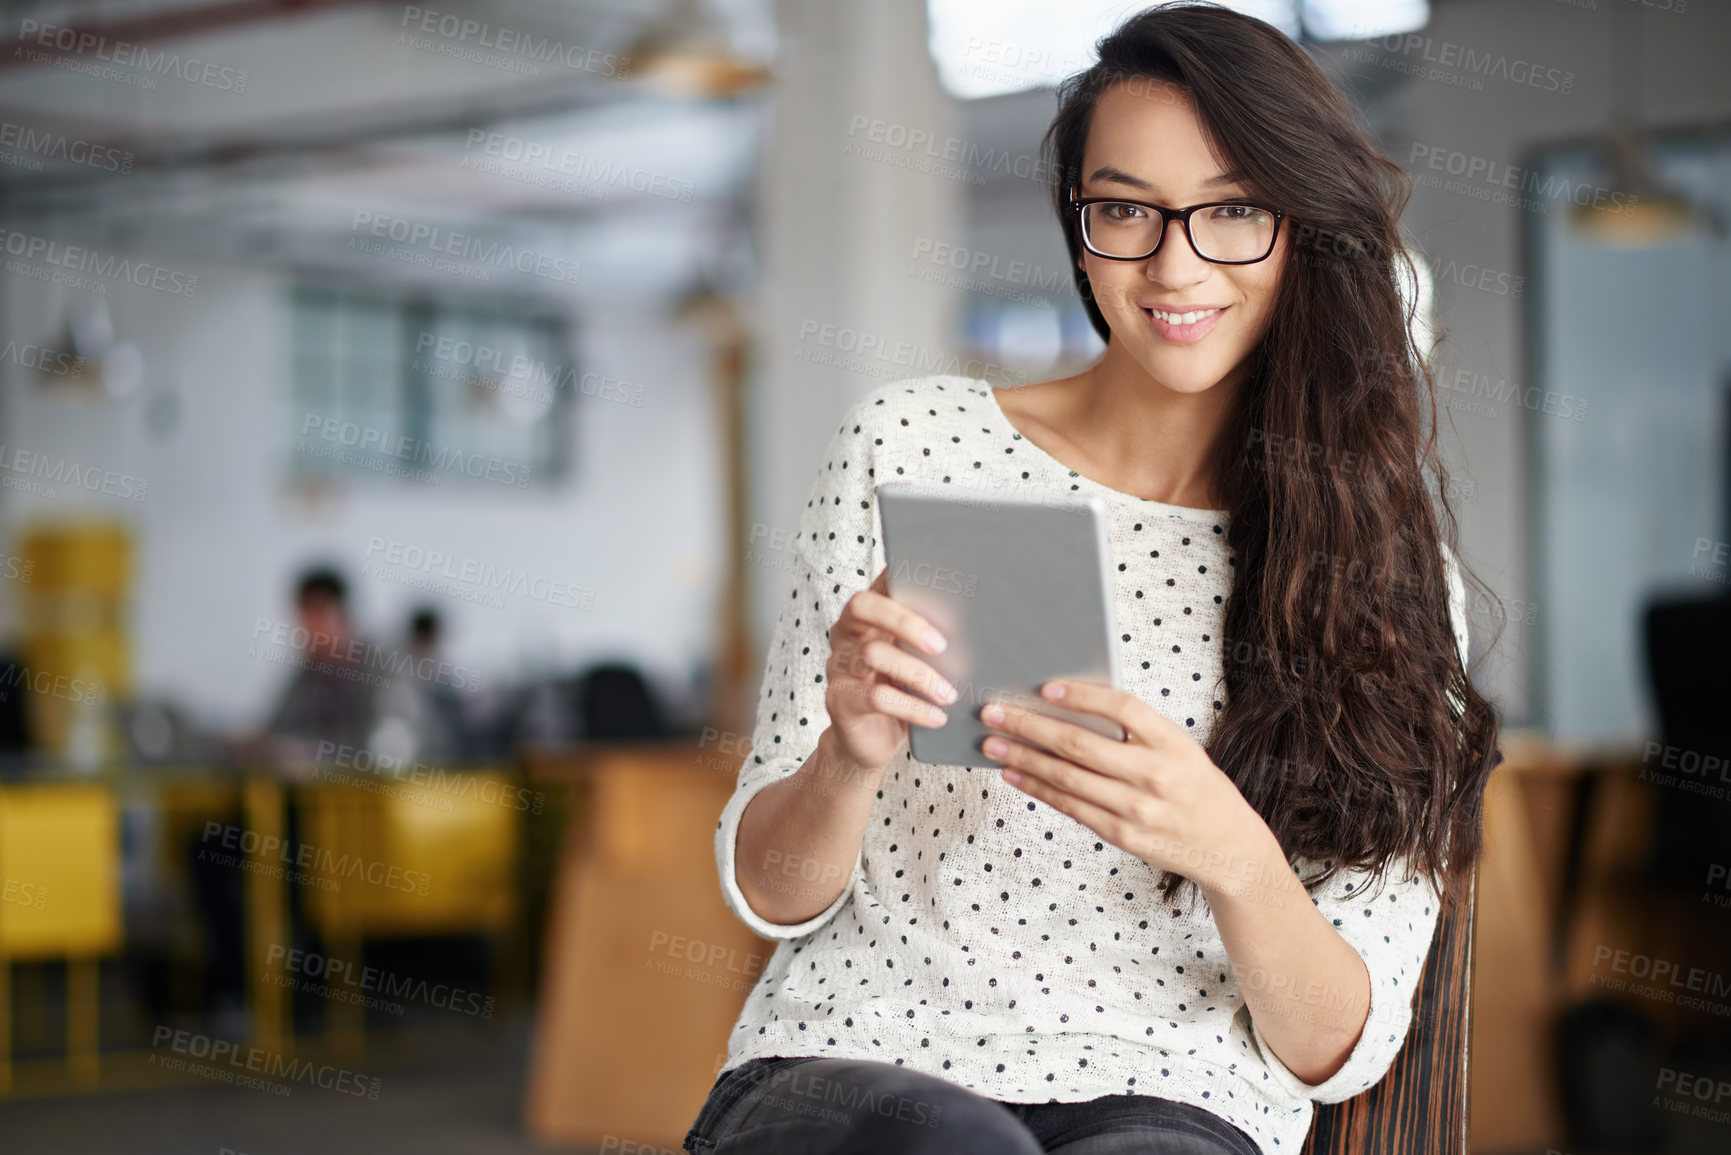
(1119, 176)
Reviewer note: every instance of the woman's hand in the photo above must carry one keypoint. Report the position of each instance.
(868, 713)
(1156, 795)
(1159, 796)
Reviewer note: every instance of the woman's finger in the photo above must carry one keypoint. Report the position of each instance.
(886, 699)
(870, 608)
(1071, 742)
(1096, 818)
(903, 668)
(1107, 793)
(1141, 721)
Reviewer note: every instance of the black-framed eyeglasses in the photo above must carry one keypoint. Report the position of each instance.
(1239, 233)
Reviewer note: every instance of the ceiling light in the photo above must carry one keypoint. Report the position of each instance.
(689, 52)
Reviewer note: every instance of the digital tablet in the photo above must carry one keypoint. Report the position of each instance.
(1019, 590)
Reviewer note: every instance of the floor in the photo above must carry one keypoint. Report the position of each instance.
(456, 1094)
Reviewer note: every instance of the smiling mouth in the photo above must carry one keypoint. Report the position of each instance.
(1190, 318)
(1186, 328)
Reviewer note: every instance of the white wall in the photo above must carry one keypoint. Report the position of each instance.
(220, 535)
(1684, 81)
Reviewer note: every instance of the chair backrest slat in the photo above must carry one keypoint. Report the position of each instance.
(1420, 1106)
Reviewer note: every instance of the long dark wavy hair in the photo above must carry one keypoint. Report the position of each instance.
(1350, 722)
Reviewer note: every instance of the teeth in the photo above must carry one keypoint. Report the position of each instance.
(1182, 318)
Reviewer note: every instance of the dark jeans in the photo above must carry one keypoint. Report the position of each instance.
(815, 1106)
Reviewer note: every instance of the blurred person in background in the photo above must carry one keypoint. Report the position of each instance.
(330, 701)
(420, 718)
(332, 697)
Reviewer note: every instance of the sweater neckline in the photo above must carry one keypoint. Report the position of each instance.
(1089, 485)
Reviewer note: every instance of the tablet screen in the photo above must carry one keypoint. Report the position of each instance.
(1019, 590)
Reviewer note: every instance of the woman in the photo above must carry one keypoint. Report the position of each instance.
(1176, 943)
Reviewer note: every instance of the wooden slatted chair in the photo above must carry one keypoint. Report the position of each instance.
(1420, 1106)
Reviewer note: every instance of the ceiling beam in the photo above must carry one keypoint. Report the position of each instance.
(168, 25)
(316, 141)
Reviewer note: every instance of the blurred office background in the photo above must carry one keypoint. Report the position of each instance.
(405, 415)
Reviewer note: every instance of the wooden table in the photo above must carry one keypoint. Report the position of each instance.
(1559, 823)
(645, 968)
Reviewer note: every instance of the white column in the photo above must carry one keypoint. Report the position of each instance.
(837, 232)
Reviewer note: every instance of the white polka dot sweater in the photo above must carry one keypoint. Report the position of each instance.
(985, 938)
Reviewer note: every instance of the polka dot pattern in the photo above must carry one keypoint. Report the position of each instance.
(987, 939)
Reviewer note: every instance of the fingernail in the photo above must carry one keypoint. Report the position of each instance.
(946, 691)
(996, 747)
(1052, 691)
(992, 712)
(935, 642)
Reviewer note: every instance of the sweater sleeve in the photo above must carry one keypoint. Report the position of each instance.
(1391, 932)
(831, 559)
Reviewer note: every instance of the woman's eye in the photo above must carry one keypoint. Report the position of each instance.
(1119, 210)
(1239, 213)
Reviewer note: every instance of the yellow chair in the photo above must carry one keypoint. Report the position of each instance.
(76, 633)
(387, 857)
(438, 857)
(59, 898)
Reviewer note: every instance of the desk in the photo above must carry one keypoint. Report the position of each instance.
(1559, 823)
(645, 968)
